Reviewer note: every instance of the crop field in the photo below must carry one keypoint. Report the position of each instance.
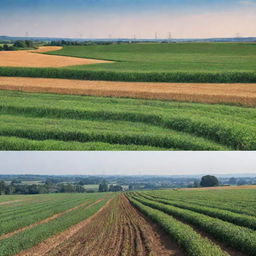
(175, 62)
(235, 94)
(214, 222)
(170, 222)
(31, 121)
(32, 58)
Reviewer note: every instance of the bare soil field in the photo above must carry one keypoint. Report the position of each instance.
(34, 58)
(243, 94)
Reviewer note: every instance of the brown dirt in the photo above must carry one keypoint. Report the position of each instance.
(55, 216)
(32, 58)
(43, 248)
(244, 94)
(10, 202)
(118, 230)
(225, 187)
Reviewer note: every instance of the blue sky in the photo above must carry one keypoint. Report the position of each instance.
(123, 18)
(127, 163)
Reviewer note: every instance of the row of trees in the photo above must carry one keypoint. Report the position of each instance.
(19, 188)
(104, 187)
(19, 44)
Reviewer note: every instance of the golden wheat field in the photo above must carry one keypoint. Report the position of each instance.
(243, 94)
(34, 58)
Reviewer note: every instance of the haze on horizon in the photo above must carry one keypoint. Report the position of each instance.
(128, 163)
(128, 19)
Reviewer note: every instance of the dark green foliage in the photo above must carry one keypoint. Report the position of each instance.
(209, 181)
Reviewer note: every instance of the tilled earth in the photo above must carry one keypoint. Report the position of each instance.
(119, 229)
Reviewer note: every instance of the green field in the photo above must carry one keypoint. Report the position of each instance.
(34, 121)
(175, 62)
(189, 57)
(219, 222)
(228, 216)
(71, 209)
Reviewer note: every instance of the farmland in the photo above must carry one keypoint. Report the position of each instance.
(170, 222)
(177, 62)
(216, 114)
(50, 121)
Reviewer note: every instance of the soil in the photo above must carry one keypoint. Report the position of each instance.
(243, 94)
(33, 58)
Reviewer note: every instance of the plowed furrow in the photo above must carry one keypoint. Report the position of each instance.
(118, 230)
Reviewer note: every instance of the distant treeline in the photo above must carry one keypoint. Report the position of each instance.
(19, 44)
(53, 186)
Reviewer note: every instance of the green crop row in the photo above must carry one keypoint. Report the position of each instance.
(118, 132)
(226, 125)
(192, 243)
(15, 143)
(30, 237)
(178, 77)
(240, 201)
(239, 238)
(238, 219)
(240, 137)
(30, 217)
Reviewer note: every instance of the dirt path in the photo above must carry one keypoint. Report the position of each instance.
(244, 94)
(44, 247)
(55, 216)
(31, 58)
(118, 230)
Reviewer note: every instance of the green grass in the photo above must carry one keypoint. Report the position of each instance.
(180, 62)
(48, 121)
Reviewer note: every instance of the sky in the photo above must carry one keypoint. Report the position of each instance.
(127, 163)
(128, 18)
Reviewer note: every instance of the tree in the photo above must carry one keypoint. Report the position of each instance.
(6, 47)
(2, 187)
(103, 187)
(209, 181)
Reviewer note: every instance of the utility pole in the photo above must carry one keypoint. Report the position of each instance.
(169, 37)
(155, 35)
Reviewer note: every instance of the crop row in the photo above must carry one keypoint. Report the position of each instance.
(210, 122)
(239, 238)
(191, 77)
(192, 243)
(30, 237)
(20, 221)
(232, 200)
(15, 143)
(238, 219)
(119, 132)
